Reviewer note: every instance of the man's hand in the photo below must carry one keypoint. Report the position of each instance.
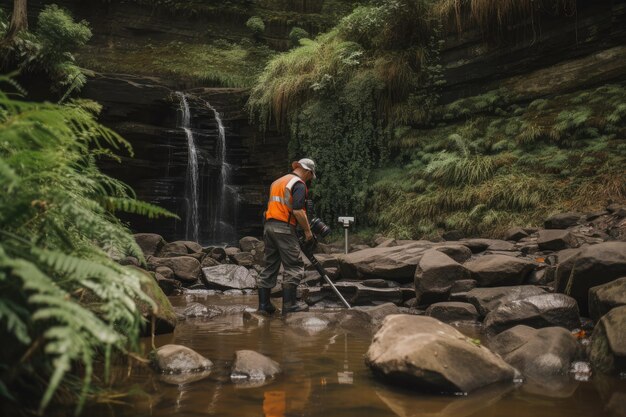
(309, 244)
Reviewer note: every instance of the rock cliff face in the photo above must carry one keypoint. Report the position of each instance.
(147, 113)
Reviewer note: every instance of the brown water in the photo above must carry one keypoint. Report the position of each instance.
(324, 375)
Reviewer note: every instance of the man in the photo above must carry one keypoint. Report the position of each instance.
(286, 209)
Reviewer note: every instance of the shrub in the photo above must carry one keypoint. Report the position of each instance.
(256, 26)
(296, 34)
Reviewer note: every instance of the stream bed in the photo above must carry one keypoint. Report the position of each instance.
(324, 375)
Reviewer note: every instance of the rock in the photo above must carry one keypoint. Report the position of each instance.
(177, 359)
(200, 310)
(555, 240)
(434, 276)
(357, 319)
(168, 286)
(460, 253)
(397, 263)
(481, 245)
(250, 367)
(452, 311)
(150, 243)
(208, 262)
(487, 299)
(562, 220)
(217, 253)
(537, 353)
(385, 243)
(608, 342)
(538, 311)
(425, 354)
(166, 272)
(594, 265)
(255, 246)
(606, 297)
(230, 251)
(498, 270)
(515, 234)
(358, 294)
(173, 249)
(243, 258)
(375, 283)
(327, 262)
(162, 313)
(129, 260)
(186, 269)
(226, 277)
(463, 285)
(354, 248)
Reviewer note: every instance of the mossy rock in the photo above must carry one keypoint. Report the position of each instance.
(163, 313)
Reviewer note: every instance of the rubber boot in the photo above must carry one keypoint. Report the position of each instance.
(290, 302)
(265, 305)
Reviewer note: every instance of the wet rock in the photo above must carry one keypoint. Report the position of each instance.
(201, 310)
(243, 258)
(499, 270)
(608, 342)
(555, 240)
(233, 292)
(217, 253)
(452, 311)
(537, 353)
(463, 285)
(173, 249)
(165, 271)
(176, 359)
(460, 253)
(375, 283)
(208, 262)
(184, 378)
(150, 243)
(162, 314)
(230, 251)
(358, 294)
(358, 319)
(562, 220)
(605, 297)
(397, 263)
(487, 299)
(253, 368)
(168, 286)
(425, 354)
(538, 311)
(254, 246)
(197, 286)
(311, 323)
(435, 275)
(515, 234)
(226, 277)
(592, 266)
(186, 269)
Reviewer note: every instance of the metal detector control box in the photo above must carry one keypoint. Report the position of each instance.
(345, 222)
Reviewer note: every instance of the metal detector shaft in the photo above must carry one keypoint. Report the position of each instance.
(322, 272)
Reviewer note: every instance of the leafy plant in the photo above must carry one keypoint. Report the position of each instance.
(64, 304)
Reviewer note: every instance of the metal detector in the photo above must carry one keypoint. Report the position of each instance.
(311, 257)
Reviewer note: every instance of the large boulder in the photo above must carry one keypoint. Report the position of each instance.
(243, 258)
(594, 265)
(397, 263)
(605, 297)
(458, 252)
(538, 311)
(186, 269)
(562, 220)
(608, 342)
(515, 234)
(555, 240)
(487, 299)
(161, 313)
(172, 249)
(435, 275)
(228, 277)
(359, 319)
(425, 354)
(150, 243)
(179, 359)
(537, 353)
(499, 270)
(452, 311)
(253, 245)
(252, 368)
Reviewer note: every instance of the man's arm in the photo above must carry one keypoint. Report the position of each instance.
(303, 221)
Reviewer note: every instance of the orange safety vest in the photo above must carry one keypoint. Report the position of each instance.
(279, 206)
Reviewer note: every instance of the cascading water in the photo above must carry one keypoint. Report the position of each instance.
(192, 221)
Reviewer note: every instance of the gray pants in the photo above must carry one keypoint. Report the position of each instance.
(281, 245)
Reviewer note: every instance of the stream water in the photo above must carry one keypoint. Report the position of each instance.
(324, 375)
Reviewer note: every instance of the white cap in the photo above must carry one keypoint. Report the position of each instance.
(305, 163)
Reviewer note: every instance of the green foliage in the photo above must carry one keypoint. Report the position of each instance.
(64, 301)
(48, 49)
(296, 34)
(256, 25)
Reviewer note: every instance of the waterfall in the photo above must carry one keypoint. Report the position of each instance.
(192, 222)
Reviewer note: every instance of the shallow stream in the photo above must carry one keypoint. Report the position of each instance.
(324, 375)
